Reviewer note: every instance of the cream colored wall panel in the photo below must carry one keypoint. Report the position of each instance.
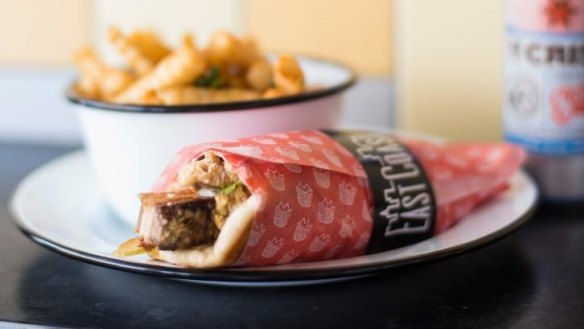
(449, 66)
(354, 31)
(42, 31)
(170, 17)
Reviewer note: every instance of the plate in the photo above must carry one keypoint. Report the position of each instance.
(59, 207)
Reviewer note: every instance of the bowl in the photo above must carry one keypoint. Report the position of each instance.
(130, 145)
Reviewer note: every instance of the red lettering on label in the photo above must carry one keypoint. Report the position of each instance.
(567, 103)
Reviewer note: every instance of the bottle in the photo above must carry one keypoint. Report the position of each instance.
(543, 103)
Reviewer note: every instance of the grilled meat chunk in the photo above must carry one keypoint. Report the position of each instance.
(176, 220)
(193, 210)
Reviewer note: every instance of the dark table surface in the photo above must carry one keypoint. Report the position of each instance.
(533, 278)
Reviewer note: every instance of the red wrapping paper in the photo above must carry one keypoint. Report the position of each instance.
(316, 199)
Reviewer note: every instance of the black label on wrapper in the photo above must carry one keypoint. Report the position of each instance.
(403, 201)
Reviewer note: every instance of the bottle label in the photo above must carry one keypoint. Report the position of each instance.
(544, 76)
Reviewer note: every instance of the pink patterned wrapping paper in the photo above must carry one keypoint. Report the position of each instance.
(316, 199)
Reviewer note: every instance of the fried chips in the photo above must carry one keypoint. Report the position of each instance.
(229, 69)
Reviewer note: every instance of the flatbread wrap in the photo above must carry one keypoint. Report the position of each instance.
(313, 195)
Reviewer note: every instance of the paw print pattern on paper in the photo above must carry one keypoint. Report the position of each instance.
(282, 213)
(315, 196)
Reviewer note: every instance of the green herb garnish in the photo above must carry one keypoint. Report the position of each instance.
(230, 188)
(210, 79)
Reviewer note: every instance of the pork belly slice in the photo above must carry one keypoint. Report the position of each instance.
(176, 220)
(193, 209)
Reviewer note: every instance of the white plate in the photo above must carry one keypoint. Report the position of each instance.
(59, 207)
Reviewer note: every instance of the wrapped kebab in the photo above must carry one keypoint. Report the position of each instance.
(311, 195)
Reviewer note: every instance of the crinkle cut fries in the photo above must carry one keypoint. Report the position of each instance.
(228, 69)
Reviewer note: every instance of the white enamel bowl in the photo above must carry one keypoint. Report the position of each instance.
(129, 145)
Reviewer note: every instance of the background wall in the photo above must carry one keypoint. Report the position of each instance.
(42, 32)
(356, 32)
(46, 32)
(38, 38)
(447, 54)
(449, 64)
